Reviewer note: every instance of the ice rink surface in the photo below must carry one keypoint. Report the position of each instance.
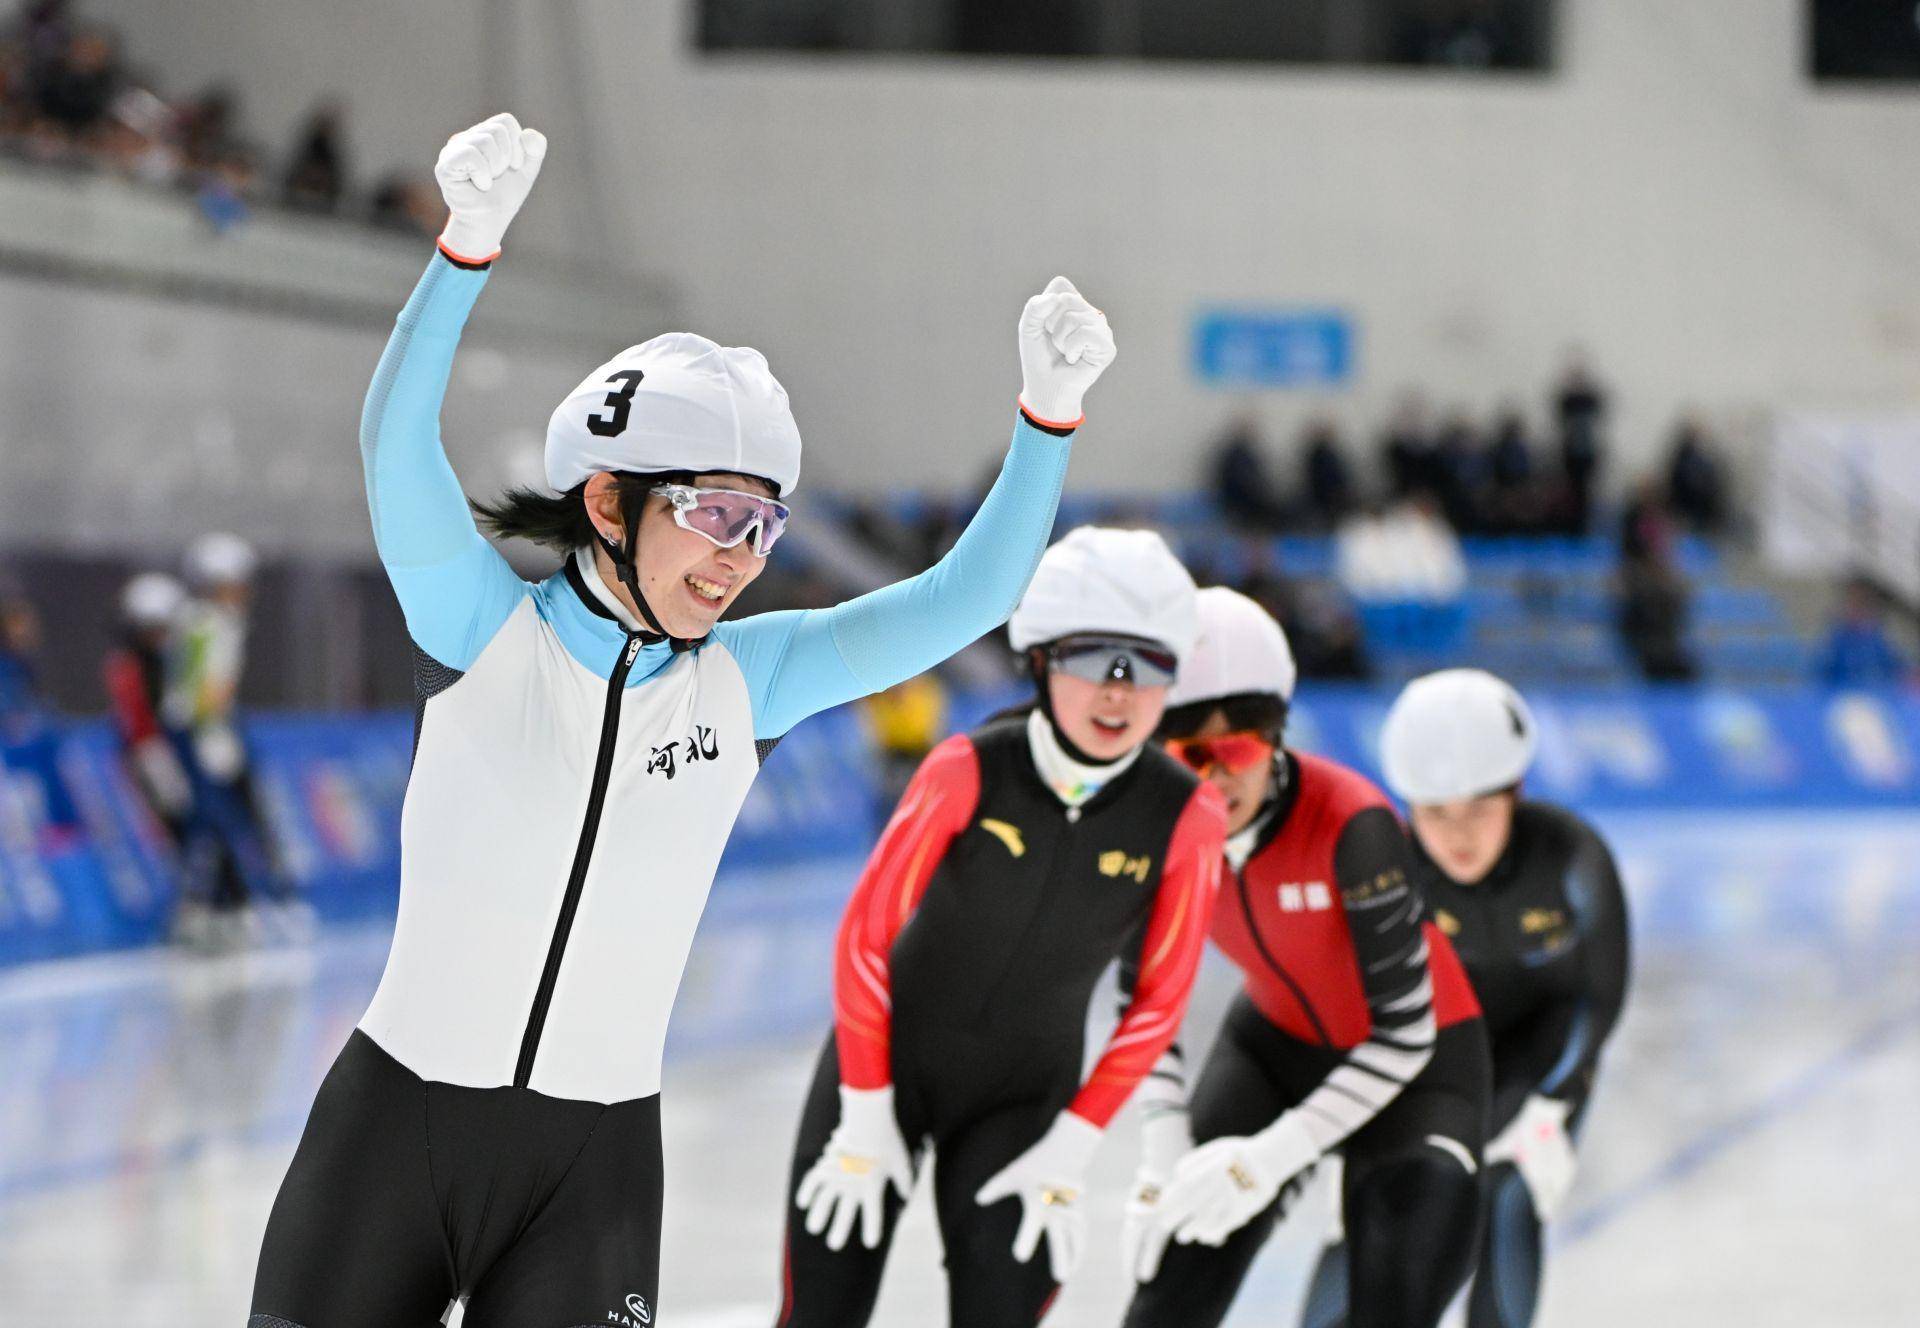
(1752, 1158)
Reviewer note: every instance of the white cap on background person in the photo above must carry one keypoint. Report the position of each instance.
(1454, 735)
(220, 559)
(152, 599)
(1096, 580)
(677, 402)
(1241, 650)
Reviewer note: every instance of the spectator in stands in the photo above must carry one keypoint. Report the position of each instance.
(1326, 637)
(1695, 487)
(1404, 568)
(1654, 601)
(1457, 474)
(1646, 523)
(1406, 448)
(1580, 407)
(75, 92)
(1241, 484)
(1329, 483)
(1859, 651)
(316, 178)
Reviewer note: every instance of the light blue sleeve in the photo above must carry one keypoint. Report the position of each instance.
(454, 587)
(801, 662)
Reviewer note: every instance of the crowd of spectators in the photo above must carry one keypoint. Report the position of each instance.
(72, 96)
(1397, 524)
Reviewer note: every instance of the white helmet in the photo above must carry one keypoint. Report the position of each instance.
(1241, 650)
(1099, 580)
(1456, 734)
(677, 402)
(220, 559)
(152, 599)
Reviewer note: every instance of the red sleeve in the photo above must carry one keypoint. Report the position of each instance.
(1169, 958)
(936, 807)
(127, 697)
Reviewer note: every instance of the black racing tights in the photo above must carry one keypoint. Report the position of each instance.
(1412, 1189)
(404, 1195)
(980, 1104)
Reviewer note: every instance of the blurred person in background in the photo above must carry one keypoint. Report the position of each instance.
(29, 731)
(1406, 572)
(1580, 410)
(1859, 651)
(1512, 490)
(230, 846)
(1355, 1032)
(583, 748)
(1327, 479)
(75, 91)
(1406, 447)
(316, 176)
(1025, 858)
(904, 723)
(1241, 483)
(1529, 895)
(1696, 487)
(1652, 598)
(134, 673)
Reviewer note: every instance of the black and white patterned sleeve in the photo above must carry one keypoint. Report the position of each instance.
(1384, 913)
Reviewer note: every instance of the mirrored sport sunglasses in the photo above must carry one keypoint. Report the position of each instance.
(1114, 661)
(1234, 753)
(726, 516)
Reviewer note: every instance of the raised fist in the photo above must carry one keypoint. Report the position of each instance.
(485, 174)
(1065, 343)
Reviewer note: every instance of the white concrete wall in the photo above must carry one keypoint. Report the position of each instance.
(1677, 197)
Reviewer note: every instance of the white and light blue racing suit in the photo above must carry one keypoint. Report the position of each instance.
(573, 786)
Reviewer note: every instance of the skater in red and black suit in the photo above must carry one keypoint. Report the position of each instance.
(1025, 857)
(1356, 1032)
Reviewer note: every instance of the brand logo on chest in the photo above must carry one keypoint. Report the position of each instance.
(1305, 897)
(1117, 863)
(703, 744)
(637, 1312)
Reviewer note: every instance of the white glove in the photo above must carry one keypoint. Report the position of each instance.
(1049, 1178)
(1164, 1140)
(1537, 1144)
(1223, 1184)
(163, 776)
(485, 173)
(1065, 343)
(863, 1156)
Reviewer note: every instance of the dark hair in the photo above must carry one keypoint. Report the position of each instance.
(1262, 712)
(559, 521)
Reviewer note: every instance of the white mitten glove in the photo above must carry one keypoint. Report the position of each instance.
(1049, 1178)
(1223, 1184)
(1537, 1144)
(1164, 1140)
(863, 1156)
(484, 174)
(1065, 343)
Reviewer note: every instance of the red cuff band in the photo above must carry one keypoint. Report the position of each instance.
(462, 259)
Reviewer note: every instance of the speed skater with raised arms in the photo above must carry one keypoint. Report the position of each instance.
(491, 1131)
(1355, 1031)
(1529, 896)
(1024, 859)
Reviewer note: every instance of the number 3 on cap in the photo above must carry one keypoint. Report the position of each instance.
(619, 402)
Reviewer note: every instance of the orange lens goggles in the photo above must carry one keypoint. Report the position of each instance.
(1234, 753)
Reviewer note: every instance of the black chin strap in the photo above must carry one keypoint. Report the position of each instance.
(623, 556)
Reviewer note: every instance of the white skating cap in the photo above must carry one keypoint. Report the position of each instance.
(1241, 650)
(677, 402)
(1112, 582)
(220, 559)
(152, 599)
(1456, 734)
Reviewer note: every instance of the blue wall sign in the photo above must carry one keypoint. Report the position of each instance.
(1273, 347)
